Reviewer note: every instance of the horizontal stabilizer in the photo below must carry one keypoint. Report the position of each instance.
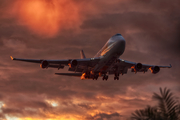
(70, 74)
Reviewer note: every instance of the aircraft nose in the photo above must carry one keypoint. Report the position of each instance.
(118, 38)
(120, 44)
(121, 39)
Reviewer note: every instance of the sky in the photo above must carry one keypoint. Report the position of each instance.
(58, 29)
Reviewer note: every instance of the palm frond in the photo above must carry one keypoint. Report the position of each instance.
(149, 113)
(166, 104)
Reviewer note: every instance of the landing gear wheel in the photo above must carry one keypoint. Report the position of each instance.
(96, 77)
(105, 77)
(116, 78)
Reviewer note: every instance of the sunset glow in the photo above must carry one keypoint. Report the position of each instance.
(57, 118)
(55, 31)
(46, 17)
(53, 103)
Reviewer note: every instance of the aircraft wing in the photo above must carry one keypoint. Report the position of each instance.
(129, 64)
(73, 63)
(40, 60)
(122, 67)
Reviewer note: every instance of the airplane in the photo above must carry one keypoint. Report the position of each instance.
(105, 62)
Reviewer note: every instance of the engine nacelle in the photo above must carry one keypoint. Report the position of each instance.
(138, 66)
(44, 64)
(155, 69)
(73, 63)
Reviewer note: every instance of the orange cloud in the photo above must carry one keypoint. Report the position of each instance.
(46, 17)
(57, 118)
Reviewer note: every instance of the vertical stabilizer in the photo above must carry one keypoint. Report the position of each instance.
(82, 54)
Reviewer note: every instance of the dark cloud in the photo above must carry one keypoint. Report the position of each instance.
(102, 116)
(87, 106)
(151, 29)
(117, 20)
(12, 111)
(2, 116)
(1, 97)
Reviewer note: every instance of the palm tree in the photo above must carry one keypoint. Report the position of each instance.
(167, 108)
(179, 111)
(149, 113)
(166, 104)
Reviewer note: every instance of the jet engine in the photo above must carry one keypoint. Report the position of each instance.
(155, 69)
(44, 64)
(73, 63)
(138, 66)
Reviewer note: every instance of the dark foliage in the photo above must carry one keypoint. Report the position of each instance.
(167, 108)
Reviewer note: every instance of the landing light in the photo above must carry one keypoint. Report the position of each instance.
(92, 58)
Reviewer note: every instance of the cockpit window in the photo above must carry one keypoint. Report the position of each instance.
(117, 34)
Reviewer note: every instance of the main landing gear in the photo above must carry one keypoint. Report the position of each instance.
(116, 77)
(105, 77)
(95, 77)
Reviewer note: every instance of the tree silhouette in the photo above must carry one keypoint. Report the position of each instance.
(167, 108)
(149, 113)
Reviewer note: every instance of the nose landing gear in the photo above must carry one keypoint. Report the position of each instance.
(116, 77)
(95, 77)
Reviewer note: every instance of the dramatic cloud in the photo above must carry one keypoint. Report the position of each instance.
(45, 17)
(54, 29)
(102, 116)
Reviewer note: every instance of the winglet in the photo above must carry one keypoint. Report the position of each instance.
(170, 66)
(11, 58)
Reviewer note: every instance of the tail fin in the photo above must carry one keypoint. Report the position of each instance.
(82, 54)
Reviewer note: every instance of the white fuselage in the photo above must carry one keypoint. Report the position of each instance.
(110, 52)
